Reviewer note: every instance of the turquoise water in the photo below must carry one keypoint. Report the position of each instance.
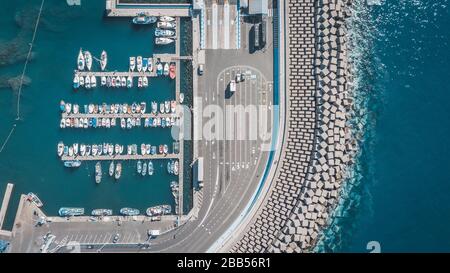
(400, 185)
(29, 159)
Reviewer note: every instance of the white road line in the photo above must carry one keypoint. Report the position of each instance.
(214, 26)
(226, 27)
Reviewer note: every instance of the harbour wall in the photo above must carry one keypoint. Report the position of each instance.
(319, 144)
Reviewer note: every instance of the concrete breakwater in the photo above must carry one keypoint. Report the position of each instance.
(319, 144)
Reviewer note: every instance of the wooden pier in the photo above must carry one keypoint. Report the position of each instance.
(123, 115)
(5, 203)
(120, 157)
(116, 9)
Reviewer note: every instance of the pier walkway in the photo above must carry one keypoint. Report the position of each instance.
(116, 9)
(120, 157)
(5, 203)
(123, 115)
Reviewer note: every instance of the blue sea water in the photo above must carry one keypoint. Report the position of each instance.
(398, 193)
(29, 158)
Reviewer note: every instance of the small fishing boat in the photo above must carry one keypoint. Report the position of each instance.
(60, 148)
(164, 32)
(132, 63)
(172, 71)
(70, 211)
(103, 60)
(140, 82)
(143, 19)
(139, 63)
(80, 60)
(62, 124)
(98, 172)
(76, 81)
(173, 106)
(87, 82)
(118, 171)
(88, 150)
(144, 64)
(33, 198)
(143, 149)
(166, 69)
(88, 59)
(66, 150)
(108, 81)
(181, 97)
(166, 19)
(72, 163)
(144, 81)
(139, 166)
(81, 81)
(165, 148)
(129, 82)
(144, 169)
(124, 81)
(175, 168)
(161, 149)
(153, 151)
(62, 106)
(170, 167)
(117, 81)
(143, 107)
(70, 150)
(150, 168)
(103, 81)
(129, 211)
(159, 69)
(163, 123)
(93, 81)
(111, 168)
(161, 107)
(150, 65)
(75, 149)
(83, 150)
(166, 25)
(163, 40)
(147, 149)
(117, 149)
(102, 212)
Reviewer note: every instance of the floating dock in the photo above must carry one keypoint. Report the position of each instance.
(5, 203)
(120, 157)
(114, 8)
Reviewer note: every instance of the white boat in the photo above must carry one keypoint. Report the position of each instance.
(150, 65)
(164, 32)
(166, 19)
(144, 169)
(144, 81)
(87, 82)
(93, 81)
(124, 81)
(181, 97)
(103, 60)
(150, 168)
(83, 150)
(143, 19)
(98, 172)
(80, 60)
(81, 81)
(60, 148)
(129, 82)
(167, 106)
(118, 171)
(88, 59)
(132, 63)
(139, 63)
(140, 82)
(76, 81)
(75, 148)
(163, 40)
(166, 69)
(139, 166)
(161, 108)
(166, 25)
(111, 168)
(33, 198)
(103, 80)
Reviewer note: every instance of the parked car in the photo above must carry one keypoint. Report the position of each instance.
(200, 69)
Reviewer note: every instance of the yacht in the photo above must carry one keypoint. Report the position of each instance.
(103, 81)
(111, 168)
(139, 166)
(76, 81)
(163, 40)
(60, 148)
(166, 25)
(139, 63)
(93, 81)
(70, 212)
(72, 163)
(98, 172)
(166, 69)
(144, 169)
(144, 81)
(132, 63)
(129, 211)
(33, 198)
(164, 32)
(175, 168)
(166, 19)
(102, 212)
(150, 65)
(87, 82)
(88, 59)
(103, 60)
(150, 168)
(83, 150)
(124, 81)
(143, 19)
(118, 171)
(80, 60)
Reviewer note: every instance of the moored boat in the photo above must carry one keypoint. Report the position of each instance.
(166, 19)
(88, 59)
(150, 168)
(132, 63)
(172, 71)
(139, 166)
(98, 172)
(104, 81)
(181, 97)
(144, 169)
(164, 32)
(129, 211)
(93, 81)
(159, 69)
(143, 19)
(70, 211)
(166, 69)
(139, 63)
(144, 64)
(80, 60)
(102, 212)
(118, 171)
(33, 198)
(166, 25)
(144, 81)
(129, 82)
(103, 60)
(72, 163)
(60, 148)
(76, 81)
(163, 40)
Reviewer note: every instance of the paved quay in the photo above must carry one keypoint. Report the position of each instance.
(115, 8)
(5, 203)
